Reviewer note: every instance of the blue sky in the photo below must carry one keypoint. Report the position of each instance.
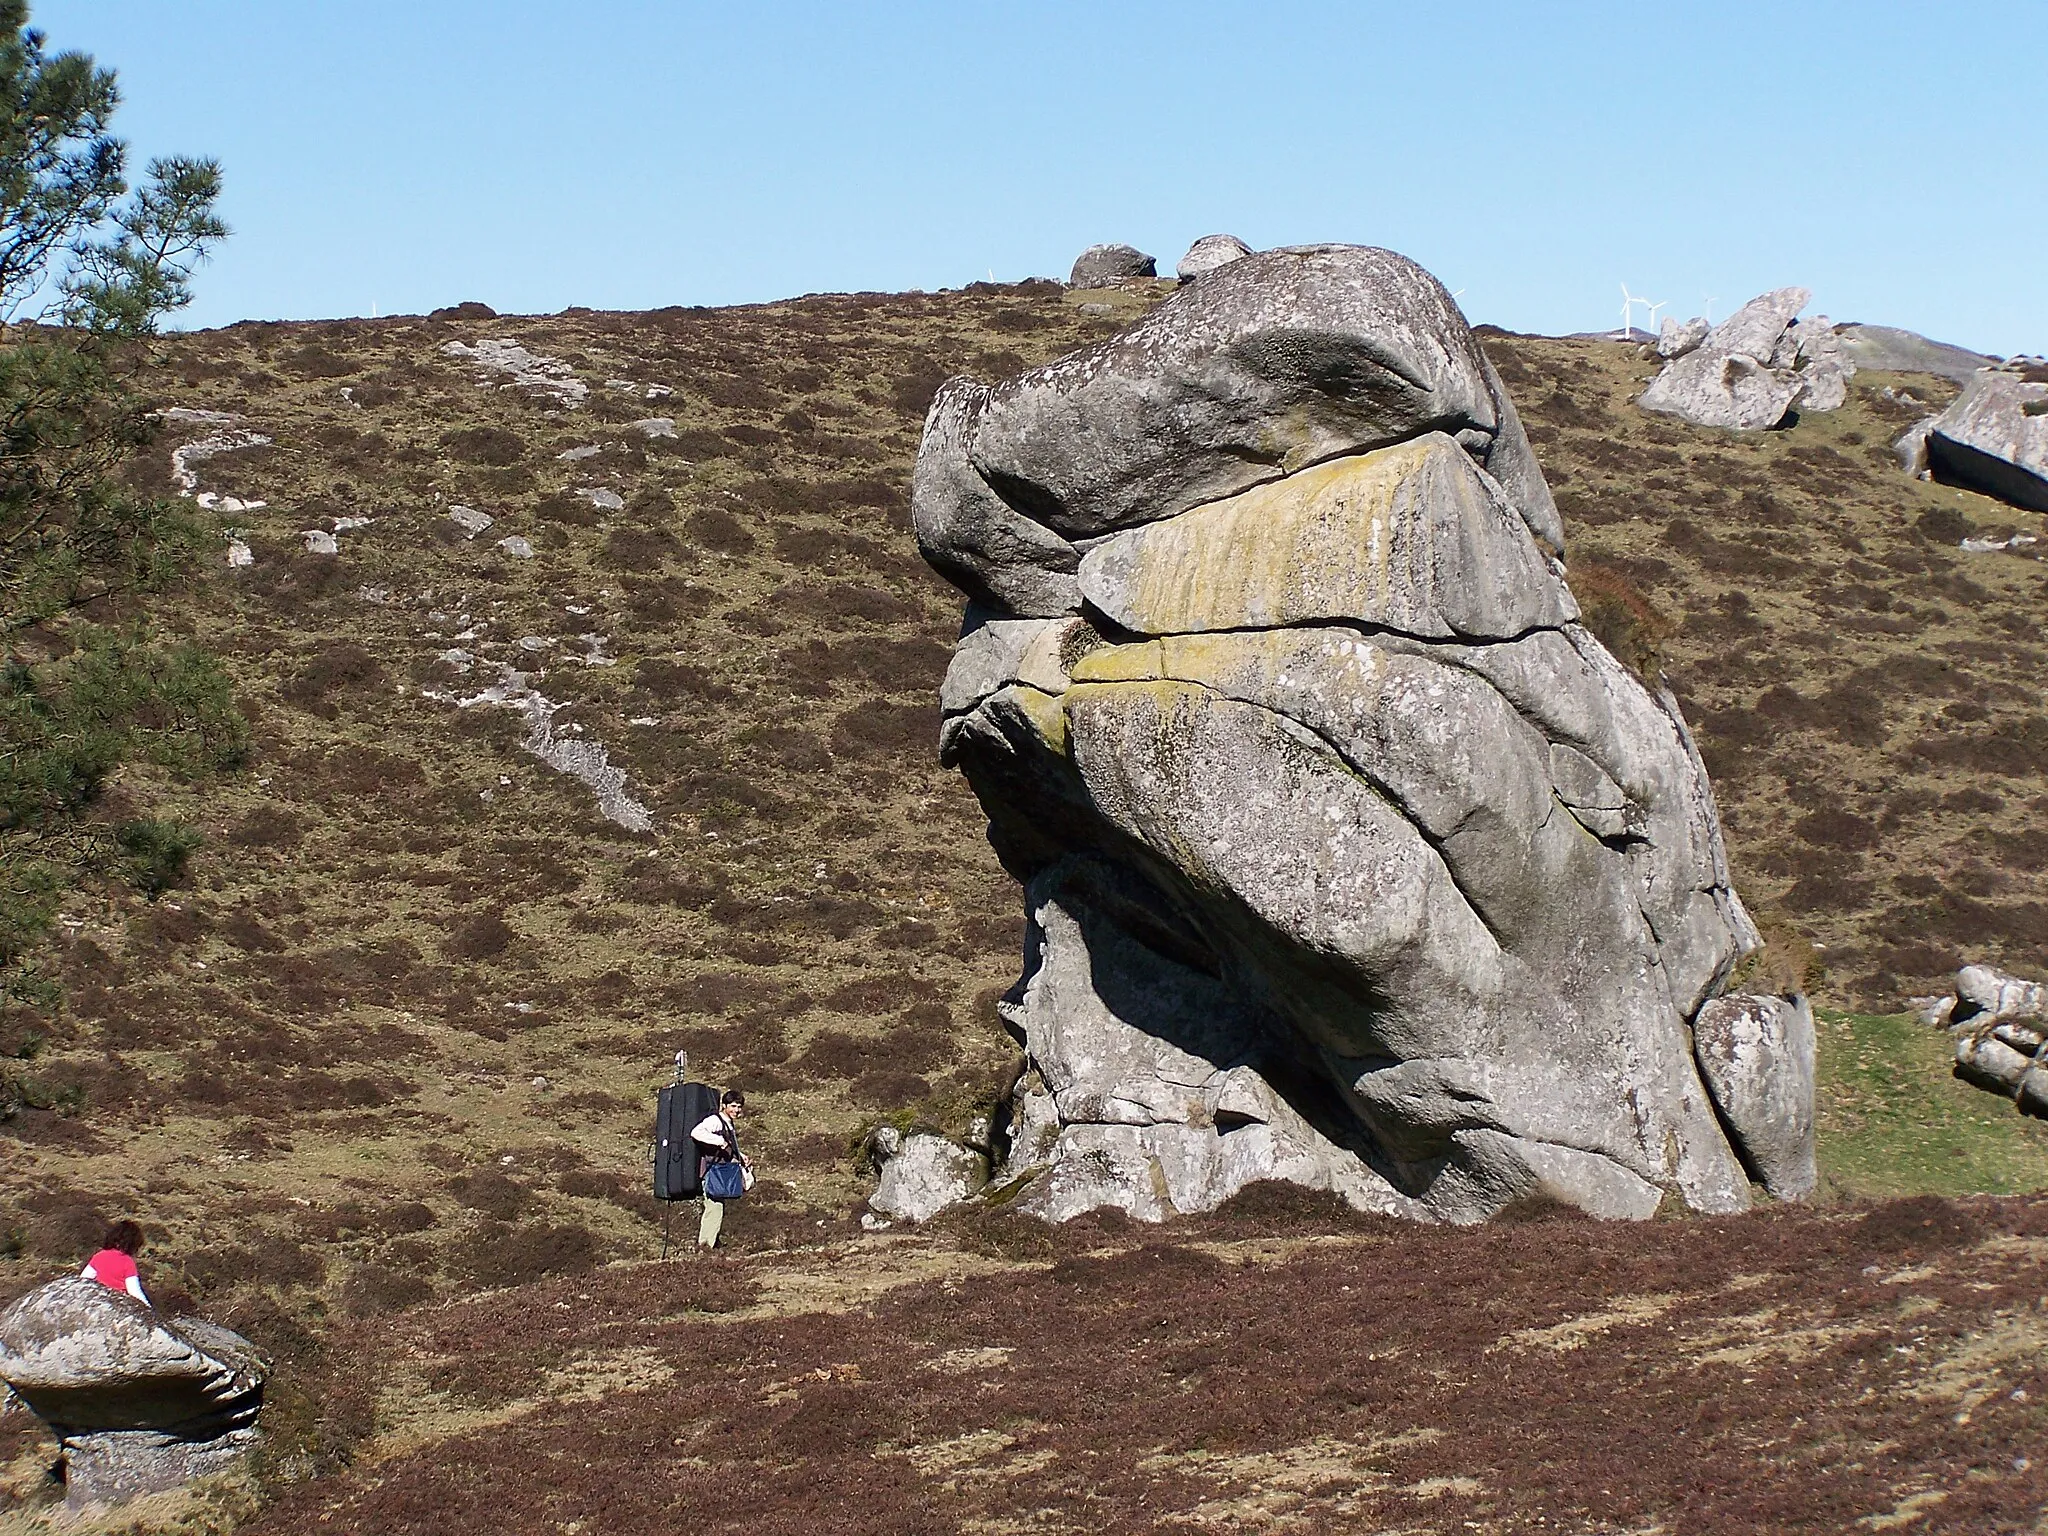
(635, 153)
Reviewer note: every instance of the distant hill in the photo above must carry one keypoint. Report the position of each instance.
(396, 1036)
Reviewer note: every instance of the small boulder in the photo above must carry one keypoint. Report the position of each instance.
(140, 1403)
(1209, 253)
(1756, 1055)
(1994, 437)
(1104, 266)
(1676, 338)
(922, 1174)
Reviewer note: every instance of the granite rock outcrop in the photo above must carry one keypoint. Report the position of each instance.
(139, 1402)
(1350, 856)
(1753, 369)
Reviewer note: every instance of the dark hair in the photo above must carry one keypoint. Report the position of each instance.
(733, 1096)
(124, 1236)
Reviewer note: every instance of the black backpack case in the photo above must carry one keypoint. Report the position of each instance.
(678, 1109)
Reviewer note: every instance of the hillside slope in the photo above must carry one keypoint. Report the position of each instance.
(395, 1038)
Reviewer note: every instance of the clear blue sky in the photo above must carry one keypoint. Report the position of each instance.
(634, 153)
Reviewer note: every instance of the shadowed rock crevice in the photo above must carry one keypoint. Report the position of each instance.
(1314, 726)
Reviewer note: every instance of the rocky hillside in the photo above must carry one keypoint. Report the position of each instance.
(395, 1036)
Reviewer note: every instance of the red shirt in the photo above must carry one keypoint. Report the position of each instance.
(112, 1268)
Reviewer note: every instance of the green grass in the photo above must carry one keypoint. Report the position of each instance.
(1894, 1119)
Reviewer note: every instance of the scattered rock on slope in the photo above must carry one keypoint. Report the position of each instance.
(1103, 266)
(1753, 368)
(140, 1403)
(1209, 253)
(2000, 1027)
(1993, 437)
(1350, 857)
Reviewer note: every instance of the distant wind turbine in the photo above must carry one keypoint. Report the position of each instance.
(1660, 304)
(1709, 314)
(1628, 312)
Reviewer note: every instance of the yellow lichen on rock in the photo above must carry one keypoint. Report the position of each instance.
(1411, 537)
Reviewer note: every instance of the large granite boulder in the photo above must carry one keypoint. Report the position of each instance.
(139, 1402)
(1209, 253)
(1104, 266)
(1994, 436)
(1753, 369)
(1350, 857)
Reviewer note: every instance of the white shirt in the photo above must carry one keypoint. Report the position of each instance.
(712, 1131)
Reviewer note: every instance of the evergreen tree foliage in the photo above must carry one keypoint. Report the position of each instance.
(89, 268)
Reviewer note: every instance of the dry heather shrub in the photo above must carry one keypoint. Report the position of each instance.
(342, 664)
(1622, 619)
(1786, 965)
(892, 730)
(716, 529)
(374, 1288)
(490, 1192)
(479, 937)
(1920, 1224)
(492, 446)
(501, 1255)
(268, 826)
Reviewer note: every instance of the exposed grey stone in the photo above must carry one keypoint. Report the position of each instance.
(1888, 349)
(518, 548)
(1982, 1058)
(547, 377)
(1276, 362)
(1911, 449)
(1351, 858)
(1675, 338)
(1994, 437)
(1100, 266)
(1753, 368)
(925, 1174)
(140, 1403)
(561, 749)
(973, 537)
(1824, 369)
(1757, 1056)
(469, 520)
(602, 499)
(654, 426)
(1209, 253)
(1984, 993)
(320, 542)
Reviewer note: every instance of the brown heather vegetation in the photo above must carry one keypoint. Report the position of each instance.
(1281, 1366)
(393, 1039)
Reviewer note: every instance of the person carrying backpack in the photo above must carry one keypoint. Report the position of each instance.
(114, 1265)
(718, 1141)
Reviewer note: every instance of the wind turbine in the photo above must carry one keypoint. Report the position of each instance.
(1628, 312)
(1660, 304)
(1709, 313)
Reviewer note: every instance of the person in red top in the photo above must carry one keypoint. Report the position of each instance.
(114, 1265)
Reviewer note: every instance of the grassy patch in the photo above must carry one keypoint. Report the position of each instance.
(1894, 1120)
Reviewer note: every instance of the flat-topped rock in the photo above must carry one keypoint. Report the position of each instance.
(139, 1402)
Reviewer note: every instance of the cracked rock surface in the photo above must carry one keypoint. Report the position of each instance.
(1753, 369)
(1350, 857)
